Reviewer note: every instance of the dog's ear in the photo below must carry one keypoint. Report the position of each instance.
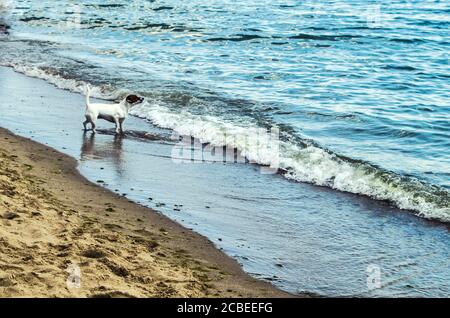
(132, 99)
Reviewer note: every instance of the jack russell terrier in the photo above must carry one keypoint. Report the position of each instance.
(114, 113)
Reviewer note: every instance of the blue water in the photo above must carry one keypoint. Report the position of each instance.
(358, 89)
(300, 237)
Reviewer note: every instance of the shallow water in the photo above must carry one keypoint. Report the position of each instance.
(359, 89)
(301, 237)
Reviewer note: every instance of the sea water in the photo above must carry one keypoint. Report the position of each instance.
(358, 90)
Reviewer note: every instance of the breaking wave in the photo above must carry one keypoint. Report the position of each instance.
(301, 160)
(304, 161)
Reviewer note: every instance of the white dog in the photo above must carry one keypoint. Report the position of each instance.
(115, 113)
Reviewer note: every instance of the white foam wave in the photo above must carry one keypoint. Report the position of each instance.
(7, 4)
(74, 85)
(308, 163)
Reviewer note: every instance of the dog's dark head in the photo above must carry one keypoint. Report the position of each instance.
(133, 100)
(4, 28)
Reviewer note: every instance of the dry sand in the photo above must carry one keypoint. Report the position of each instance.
(54, 222)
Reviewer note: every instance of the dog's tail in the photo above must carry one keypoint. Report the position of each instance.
(88, 94)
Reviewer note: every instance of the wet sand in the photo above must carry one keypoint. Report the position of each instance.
(301, 238)
(54, 222)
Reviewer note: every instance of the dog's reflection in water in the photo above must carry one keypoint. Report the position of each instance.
(110, 151)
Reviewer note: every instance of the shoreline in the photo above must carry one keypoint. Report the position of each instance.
(211, 205)
(53, 217)
(272, 156)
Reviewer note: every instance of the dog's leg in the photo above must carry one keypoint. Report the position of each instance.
(117, 121)
(85, 123)
(93, 126)
(121, 120)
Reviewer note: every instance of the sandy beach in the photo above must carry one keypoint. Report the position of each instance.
(54, 223)
(284, 233)
(270, 149)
